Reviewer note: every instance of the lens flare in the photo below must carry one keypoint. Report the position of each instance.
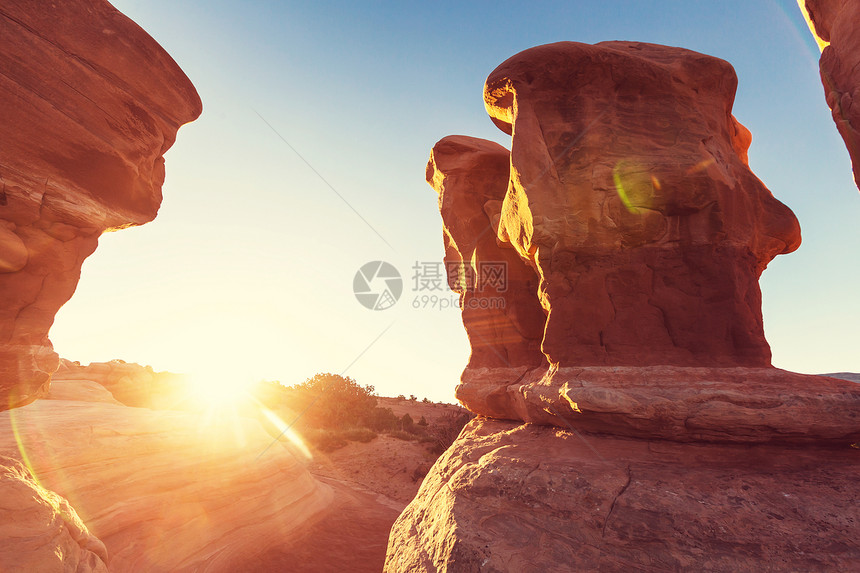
(634, 185)
(285, 431)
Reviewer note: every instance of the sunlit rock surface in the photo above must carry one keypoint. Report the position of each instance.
(836, 26)
(527, 499)
(90, 104)
(165, 490)
(666, 440)
(39, 530)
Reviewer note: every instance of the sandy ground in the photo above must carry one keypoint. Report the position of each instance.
(372, 482)
(352, 536)
(388, 466)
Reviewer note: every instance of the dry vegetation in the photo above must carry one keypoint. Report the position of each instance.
(333, 410)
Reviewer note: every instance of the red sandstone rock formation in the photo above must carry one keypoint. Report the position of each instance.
(631, 194)
(39, 530)
(627, 190)
(668, 440)
(90, 104)
(836, 25)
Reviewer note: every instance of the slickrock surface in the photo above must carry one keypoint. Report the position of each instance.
(667, 439)
(90, 105)
(508, 497)
(166, 490)
(836, 25)
(39, 530)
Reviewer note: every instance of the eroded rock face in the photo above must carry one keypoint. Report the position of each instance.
(630, 193)
(39, 530)
(90, 104)
(508, 497)
(836, 25)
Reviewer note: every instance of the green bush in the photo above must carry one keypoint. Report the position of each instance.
(362, 435)
(446, 429)
(381, 420)
(333, 401)
(405, 436)
(324, 440)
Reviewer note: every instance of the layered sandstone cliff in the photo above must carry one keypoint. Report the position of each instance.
(90, 105)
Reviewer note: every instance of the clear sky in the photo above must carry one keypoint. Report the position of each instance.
(249, 267)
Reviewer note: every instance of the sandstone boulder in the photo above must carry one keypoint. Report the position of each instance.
(133, 385)
(90, 105)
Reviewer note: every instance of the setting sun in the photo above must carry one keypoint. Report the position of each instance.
(220, 388)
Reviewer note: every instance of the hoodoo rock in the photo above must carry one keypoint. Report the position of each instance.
(90, 105)
(658, 436)
(836, 26)
(630, 193)
(501, 315)
(627, 196)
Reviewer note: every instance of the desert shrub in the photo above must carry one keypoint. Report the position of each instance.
(333, 401)
(413, 397)
(446, 429)
(405, 436)
(381, 420)
(324, 440)
(426, 400)
(422, 421)
(407, 423)
(362, 435)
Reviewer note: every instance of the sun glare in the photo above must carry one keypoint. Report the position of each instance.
(220, 388)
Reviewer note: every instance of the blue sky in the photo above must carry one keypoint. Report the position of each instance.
(248, 268)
